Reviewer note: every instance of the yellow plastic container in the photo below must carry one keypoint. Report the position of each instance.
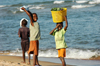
(58, 16)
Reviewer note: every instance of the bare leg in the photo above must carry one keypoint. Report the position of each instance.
(63, 61)
(37, 62)
(23, 56)
(28, 58)
(34, 59)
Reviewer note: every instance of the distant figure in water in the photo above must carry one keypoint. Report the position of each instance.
(61, 46)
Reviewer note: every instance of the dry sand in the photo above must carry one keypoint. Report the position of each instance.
(16, 61)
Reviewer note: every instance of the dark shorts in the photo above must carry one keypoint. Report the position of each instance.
(25, 46)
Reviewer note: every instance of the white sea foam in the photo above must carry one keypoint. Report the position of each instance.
(81, 54)
(48, 53)
(70, 53)
(81, 1)
(2, 6)
(31, 7)
(58, 2)
(36, 7)
(14, 12)
(94, 2)
(81, 6)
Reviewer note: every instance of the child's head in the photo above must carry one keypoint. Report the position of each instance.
(35, 17)
(60, 25)
(24, 22)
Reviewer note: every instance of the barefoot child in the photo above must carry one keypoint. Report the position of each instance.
(24, 34)
(34, 36)
(61, 46)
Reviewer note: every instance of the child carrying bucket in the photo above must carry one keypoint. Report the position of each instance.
(61, 45)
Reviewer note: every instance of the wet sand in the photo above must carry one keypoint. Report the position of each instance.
(16, 61)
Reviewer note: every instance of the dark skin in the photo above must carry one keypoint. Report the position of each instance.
(24, 52)
(33, 18)
(22, 26)
(59, 27)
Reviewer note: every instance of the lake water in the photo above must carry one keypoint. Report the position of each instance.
(82, 36)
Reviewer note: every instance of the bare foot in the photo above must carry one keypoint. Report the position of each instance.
(23, 62)
(28, 63)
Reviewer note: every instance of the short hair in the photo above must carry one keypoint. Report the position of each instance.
(24, 22)
(60, 23)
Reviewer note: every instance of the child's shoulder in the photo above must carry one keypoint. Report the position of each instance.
(27, 28)
(20, 28)
(24, 28)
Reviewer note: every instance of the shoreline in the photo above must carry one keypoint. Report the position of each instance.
(92, 58)
(95, 58)
(16, 61)
(6, 60)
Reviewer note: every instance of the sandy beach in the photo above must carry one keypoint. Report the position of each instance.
(16, 61)
(95, 58)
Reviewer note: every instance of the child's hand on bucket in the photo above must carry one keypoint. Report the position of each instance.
(65, 17)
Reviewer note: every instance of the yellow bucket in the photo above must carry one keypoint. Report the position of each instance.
(58, 16)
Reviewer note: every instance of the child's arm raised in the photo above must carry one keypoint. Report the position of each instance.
(54, 29)
(66, 23)
(29, 14)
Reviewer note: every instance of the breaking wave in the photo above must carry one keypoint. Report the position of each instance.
(2, 6)
(58, 2)
(81, 6)
(70, 53)
(94, 2)
(81, 1)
